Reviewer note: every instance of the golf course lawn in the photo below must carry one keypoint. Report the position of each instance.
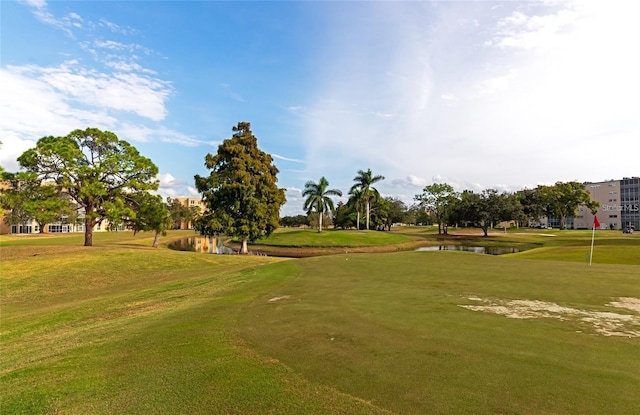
(332, 238)
(124, 328)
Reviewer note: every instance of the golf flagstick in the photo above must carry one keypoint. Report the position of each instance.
(593, 235)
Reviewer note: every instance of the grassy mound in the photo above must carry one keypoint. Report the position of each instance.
(332, 238)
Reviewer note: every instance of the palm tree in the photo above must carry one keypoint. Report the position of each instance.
(318, 198)
(364, 181)
(357, 201)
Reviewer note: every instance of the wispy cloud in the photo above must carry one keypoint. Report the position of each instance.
(142, 95)
(554, 81)
(67, 23)
(115, 28)
(279, 157)
(142, 133)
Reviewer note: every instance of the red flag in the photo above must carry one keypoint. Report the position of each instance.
(596, 222)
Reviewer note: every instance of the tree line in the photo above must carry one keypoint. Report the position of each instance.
(93, 176)
(439, 204)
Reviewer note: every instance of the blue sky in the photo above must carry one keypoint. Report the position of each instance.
(477, 94)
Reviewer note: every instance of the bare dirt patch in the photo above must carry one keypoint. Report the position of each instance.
(629, 303)
(603, 323)
(282, 297)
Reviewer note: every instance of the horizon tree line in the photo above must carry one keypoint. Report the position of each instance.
(439, 203)
(93, 172)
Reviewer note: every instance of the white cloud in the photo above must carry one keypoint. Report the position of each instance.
(496, 84)
(124, 30)
(12, 148)
(172, 187)
(142, 95)
(410, 181)
(142, 133)
(555, 86)
(31, 108)
(279, 157)
(294, 204)
(293, 192)
(40, 10)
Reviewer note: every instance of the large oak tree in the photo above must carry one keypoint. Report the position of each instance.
(95, 168)
(241, 195)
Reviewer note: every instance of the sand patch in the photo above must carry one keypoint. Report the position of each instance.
(629, 303)
(282, 297)
(604, 323)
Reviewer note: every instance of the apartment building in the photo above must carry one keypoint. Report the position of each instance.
(619, 204)
(192, 203)
(64, 225)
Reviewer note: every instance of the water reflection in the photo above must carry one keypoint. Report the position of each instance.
(202, 244)
(490, 250)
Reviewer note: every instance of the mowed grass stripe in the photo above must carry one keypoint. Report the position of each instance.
(389, 328)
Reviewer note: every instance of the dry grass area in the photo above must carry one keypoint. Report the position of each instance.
(601, 322)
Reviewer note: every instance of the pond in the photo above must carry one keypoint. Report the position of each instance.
(216, 246)
(201, 244)
(490, 250)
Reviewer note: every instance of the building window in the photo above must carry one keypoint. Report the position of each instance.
(613, 216)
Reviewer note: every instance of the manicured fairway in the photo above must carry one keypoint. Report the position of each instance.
(390, 329)
(124, 328)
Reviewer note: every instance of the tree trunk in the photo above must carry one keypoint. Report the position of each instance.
(88, 231)
(244, 249)
(367, 214)
(156, 239)
(319, 222)
(358, 219)
(89, 223)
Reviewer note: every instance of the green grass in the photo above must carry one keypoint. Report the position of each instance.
(124, 328)
(610, 247)
(332, 238)
(389, 328)
(131, 330)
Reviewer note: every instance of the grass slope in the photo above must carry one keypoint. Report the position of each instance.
(120, 328)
